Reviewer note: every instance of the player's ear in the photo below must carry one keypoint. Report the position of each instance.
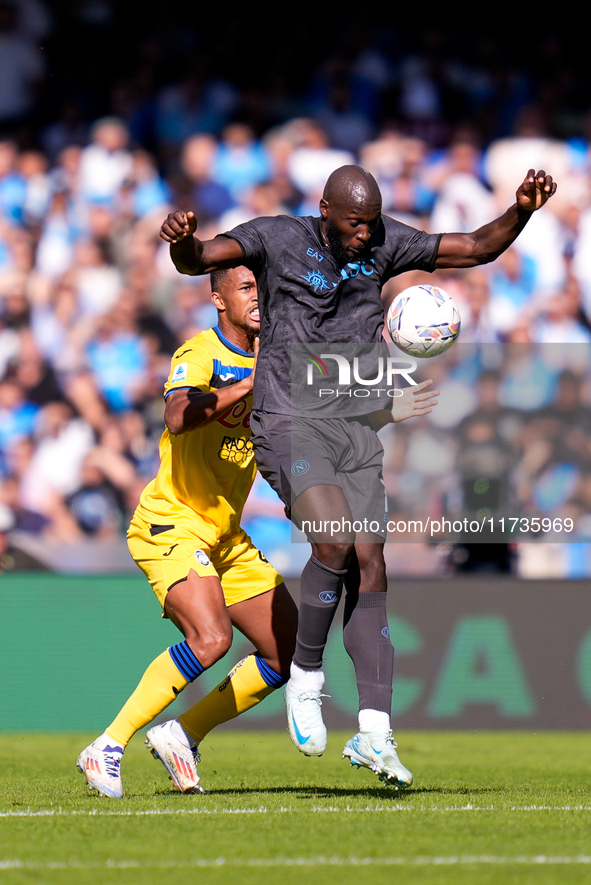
(323, 207)
(217, 301)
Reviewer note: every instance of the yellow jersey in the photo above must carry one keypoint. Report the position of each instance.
(206, 473)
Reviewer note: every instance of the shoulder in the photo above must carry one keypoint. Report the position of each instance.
(203, 341)
(192, 364)
(263, 238)
(198, 351)
(268, 225)
(399, 229)
(408, 247)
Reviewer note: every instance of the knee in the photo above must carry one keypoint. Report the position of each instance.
(335, 555)
(209, 647)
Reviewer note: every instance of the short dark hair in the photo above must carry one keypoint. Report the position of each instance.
(217, 277)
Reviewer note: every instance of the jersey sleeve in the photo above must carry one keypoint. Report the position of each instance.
(190, 367)
(409, 248)
(253, 237)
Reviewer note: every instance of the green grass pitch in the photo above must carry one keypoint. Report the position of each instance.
(485, 808)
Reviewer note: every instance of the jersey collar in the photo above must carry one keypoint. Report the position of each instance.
(229, 344)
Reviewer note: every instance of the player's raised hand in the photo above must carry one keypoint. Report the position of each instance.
(536, 189)
(414, 402)
(177, 226)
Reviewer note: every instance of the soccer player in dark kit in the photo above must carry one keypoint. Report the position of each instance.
(320, 281)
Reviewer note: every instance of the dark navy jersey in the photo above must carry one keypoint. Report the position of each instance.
(306, 298)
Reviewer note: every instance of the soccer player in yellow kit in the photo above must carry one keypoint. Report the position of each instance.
(186, 537)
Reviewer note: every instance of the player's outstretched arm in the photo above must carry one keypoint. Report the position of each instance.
(412, 403)
(193, 256)
(491, 240)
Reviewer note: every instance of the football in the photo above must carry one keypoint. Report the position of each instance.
(423, 321)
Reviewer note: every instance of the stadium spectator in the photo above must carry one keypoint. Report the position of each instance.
(106, 162)
(210, 197)
(117, 357)
(18, 416)
(96, 504)
(561, 319)
(311, 160)
(239, 161)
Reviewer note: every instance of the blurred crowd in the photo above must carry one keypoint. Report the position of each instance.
(91, 307)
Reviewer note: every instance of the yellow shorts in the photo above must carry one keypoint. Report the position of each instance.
(166, 555)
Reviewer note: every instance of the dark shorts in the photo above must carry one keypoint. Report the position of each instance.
(296, 454)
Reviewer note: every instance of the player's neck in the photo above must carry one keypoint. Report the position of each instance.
(238, 337)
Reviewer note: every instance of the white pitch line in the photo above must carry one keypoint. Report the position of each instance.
(497, 860)
(393, 809)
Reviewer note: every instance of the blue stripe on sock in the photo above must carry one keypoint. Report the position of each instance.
(270, 676)
(185, 661)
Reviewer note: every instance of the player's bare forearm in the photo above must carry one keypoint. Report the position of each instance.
(187, 256)
(187, 409)
(491, 240)
(485, 244)
(193, 256)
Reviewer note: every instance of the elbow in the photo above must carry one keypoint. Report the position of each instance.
(179, 422)
(480, 253)
(186, 269)
(174, 419)
(174, 427)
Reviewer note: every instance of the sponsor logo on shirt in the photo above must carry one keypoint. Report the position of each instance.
(354, 268)
(237, 415)
(236, 449)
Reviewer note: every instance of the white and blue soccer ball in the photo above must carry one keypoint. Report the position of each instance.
(423, 321)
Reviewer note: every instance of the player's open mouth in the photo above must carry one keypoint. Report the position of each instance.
(255, 315)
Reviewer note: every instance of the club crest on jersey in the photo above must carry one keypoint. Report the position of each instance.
(180, 372)
(202, 557)
(298, 468)
(317, 280)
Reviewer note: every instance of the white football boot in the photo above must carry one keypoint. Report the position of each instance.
(178, 754)
(377, 751)
(304, 720)
(101, 764)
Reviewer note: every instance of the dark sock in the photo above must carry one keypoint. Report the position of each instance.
(320, 593)
(367, 640)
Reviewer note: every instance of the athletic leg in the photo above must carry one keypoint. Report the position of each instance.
(366, 637)
(197, 607)
(365, 630)
(269, 621)
(321, 582)
(323, 513)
